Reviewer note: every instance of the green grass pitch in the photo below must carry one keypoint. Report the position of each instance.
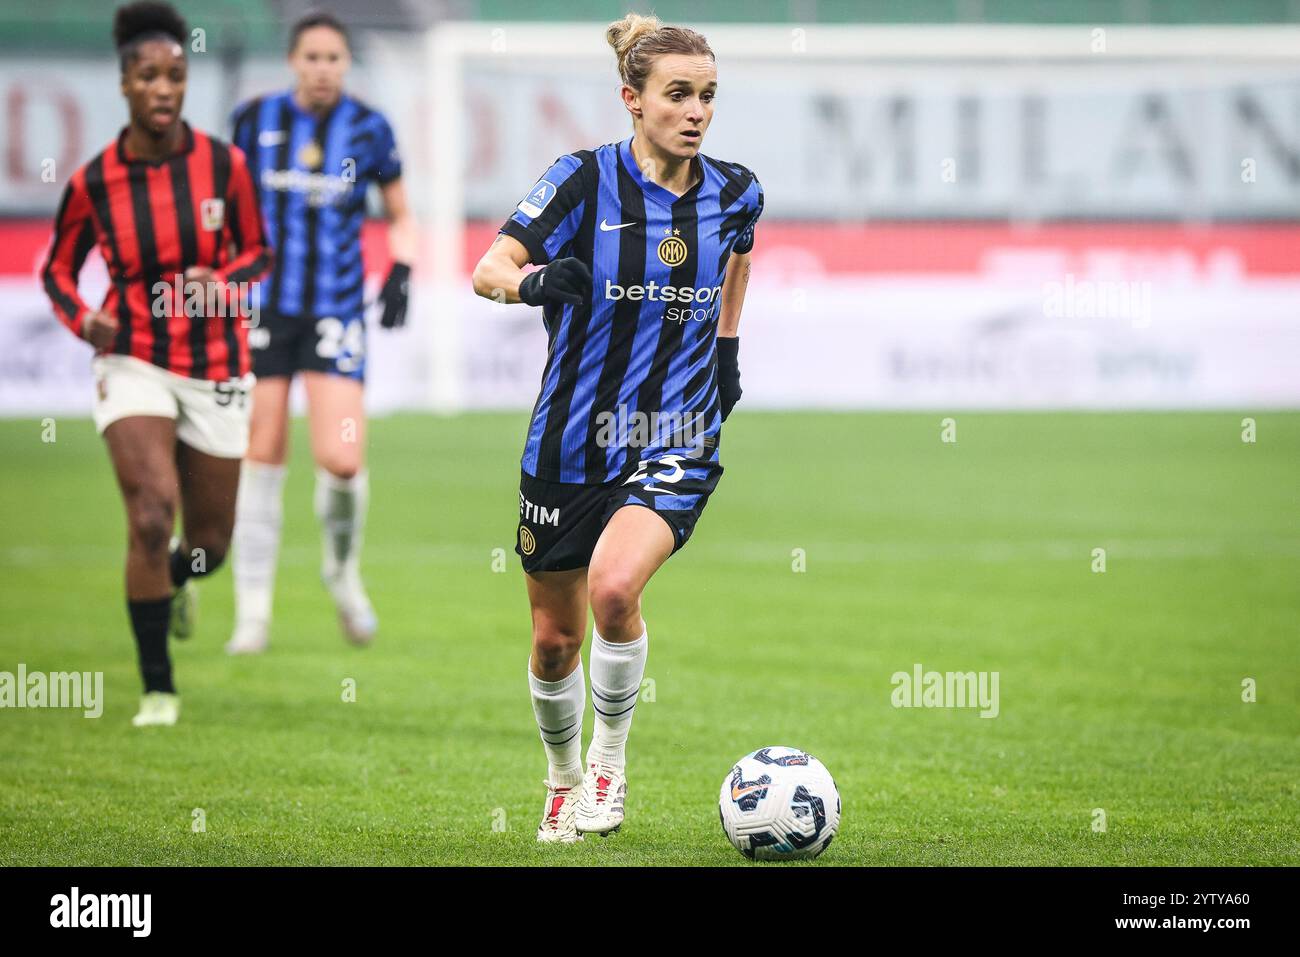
(1119, 691)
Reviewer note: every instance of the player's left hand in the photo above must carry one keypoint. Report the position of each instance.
(395, 295)
(728, 373)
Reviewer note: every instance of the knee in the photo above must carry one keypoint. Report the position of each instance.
(554, 648)
(341, 464)
(615, 601)
(151, 519)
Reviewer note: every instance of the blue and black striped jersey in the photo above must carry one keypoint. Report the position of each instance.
(311, 174)
(631, 375)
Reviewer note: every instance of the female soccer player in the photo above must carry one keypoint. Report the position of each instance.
(164, 201)
(645, 247)
(312, 151)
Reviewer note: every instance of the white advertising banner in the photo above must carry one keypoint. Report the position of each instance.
(850, 343)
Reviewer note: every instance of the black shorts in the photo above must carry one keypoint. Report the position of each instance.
(283, 345)
(559, 522)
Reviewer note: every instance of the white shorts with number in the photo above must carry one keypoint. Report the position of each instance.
(210, 416)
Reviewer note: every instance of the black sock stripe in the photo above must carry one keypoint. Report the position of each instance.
(604, 697)
(556, 744)
(557, 730)
(608, 714)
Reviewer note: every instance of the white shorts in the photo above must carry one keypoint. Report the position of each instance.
(210, 416)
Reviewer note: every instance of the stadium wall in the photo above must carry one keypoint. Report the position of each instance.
(940, 233)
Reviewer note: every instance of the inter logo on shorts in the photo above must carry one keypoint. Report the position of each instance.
(527, 544)
(212, 212)
(672, 251)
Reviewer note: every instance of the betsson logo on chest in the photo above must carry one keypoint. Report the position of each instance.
(653, 292)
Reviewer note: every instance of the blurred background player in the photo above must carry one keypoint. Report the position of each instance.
(662, 234)
(312, 151)
(171, 389)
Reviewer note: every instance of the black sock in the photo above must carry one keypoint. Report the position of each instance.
(180, 563)
(150, 621)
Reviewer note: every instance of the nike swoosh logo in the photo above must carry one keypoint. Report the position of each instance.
(605, 227)
(653, 488)
(738, 793)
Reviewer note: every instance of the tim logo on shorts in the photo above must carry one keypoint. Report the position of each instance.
(538, 514)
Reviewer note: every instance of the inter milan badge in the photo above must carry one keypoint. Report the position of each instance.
(310, 155)
(527, 544)
(212, 214)
(672, 249)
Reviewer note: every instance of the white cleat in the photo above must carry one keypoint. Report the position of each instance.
(185, 609)
(600, 806)
(557, 816)
(357, 618)
(158, 708)
(250, 638)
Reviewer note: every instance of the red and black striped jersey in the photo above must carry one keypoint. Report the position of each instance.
(152, 220)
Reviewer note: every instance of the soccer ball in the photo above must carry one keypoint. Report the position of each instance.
(779, 804)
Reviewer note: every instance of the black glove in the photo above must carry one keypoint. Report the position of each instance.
(729, 373)
(565, 280)
(395, 295)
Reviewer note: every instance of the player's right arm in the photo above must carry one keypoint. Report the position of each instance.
(500, 276)
(543, 226)
(74, 237)
(501, 269)
(499, 273)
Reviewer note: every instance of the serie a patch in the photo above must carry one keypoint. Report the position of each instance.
(538, 198)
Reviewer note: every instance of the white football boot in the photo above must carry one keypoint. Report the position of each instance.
(600, 806)
(158, 708)
(357, 617)
(250, 638)
(185, 605)
(557, 816)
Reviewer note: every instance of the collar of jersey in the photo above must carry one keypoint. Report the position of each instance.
(654, 190)
(187, 144)
(316, 118)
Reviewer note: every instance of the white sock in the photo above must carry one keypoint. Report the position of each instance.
(616, 671)
(558, 706)
(259, 511)
(341, 508)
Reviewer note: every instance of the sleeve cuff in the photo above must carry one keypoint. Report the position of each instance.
(537, 254)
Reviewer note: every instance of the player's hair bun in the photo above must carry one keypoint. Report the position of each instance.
(147, 18)
(623, 34)
(636, 58)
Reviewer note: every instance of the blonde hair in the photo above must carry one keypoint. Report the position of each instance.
(638, 41)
